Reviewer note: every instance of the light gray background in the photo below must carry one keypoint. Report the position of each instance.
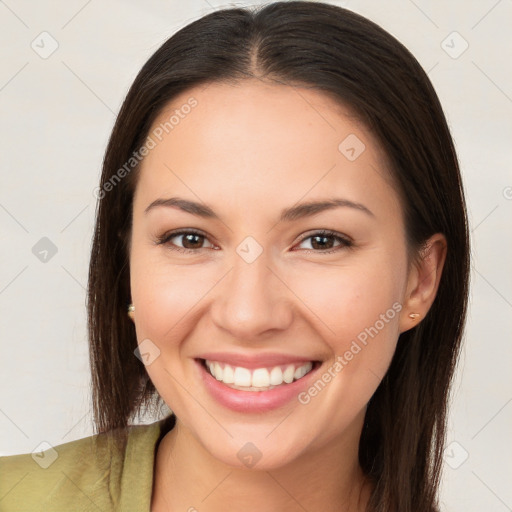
(56, 115)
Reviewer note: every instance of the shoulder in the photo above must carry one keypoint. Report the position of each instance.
(82, 475)
(55, 476)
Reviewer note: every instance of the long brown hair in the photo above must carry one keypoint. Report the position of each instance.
(353, 60)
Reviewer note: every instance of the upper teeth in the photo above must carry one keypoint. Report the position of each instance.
(259, 377)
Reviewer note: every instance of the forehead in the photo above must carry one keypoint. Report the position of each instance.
(258, 142)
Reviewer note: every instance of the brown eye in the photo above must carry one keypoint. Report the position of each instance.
(322, 241)
(191, 241)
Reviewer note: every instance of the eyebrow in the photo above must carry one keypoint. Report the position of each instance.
(287, 215)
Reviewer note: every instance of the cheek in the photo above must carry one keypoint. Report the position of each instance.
(347, 299)
(165, 298)
(168, 302)
(356, 310)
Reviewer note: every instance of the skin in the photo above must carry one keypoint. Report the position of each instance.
(248, 151)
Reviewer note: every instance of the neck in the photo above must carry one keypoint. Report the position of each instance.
(188, 478)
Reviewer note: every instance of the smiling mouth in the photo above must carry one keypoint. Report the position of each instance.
(257, 379)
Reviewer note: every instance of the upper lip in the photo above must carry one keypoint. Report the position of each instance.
(262, 360)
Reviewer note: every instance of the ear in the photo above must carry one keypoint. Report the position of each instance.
(423, 281)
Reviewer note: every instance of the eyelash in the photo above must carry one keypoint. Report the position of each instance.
(345, 242)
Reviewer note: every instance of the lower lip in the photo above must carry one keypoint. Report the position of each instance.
(253, 401)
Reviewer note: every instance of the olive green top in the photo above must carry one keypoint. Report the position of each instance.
(85, 475)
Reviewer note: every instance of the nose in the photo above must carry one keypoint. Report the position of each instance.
(252, 300)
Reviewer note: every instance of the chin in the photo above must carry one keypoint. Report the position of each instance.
(254, 449)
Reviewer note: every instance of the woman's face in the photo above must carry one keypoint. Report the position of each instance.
(253, 286)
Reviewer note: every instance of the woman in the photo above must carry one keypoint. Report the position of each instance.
(280, 256)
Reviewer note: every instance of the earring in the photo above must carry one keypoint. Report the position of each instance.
(131, 309)
(414, 315)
